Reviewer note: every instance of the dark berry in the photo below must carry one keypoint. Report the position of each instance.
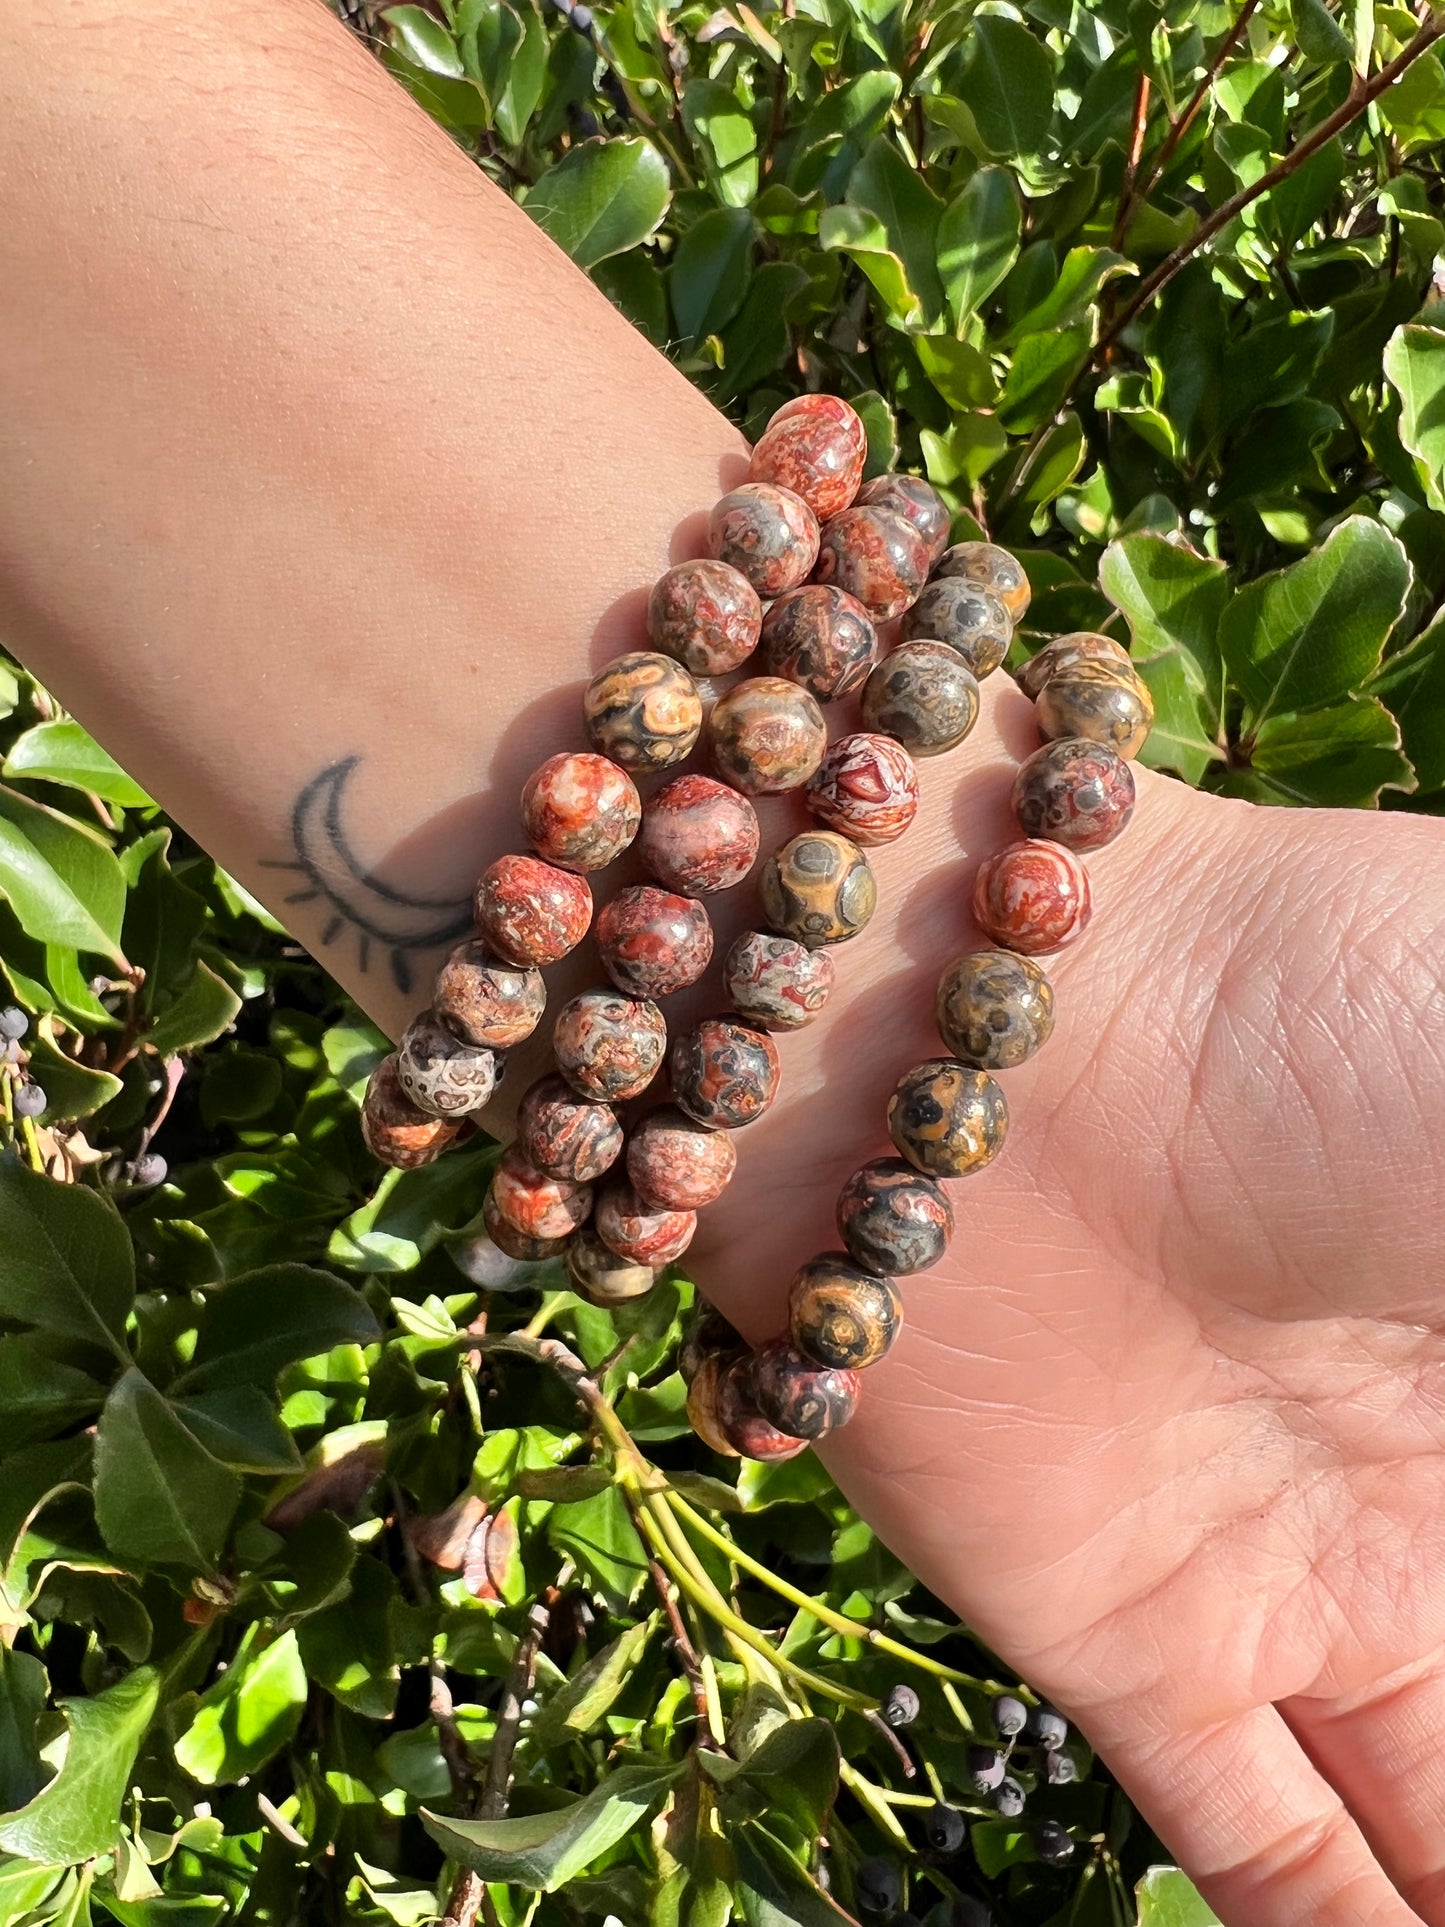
(877, 1886)
(1010, 1716)
(29, 1101)
(945, 1828)
(1008, 1799)
(13, 1023)
(900, 1706)
(581, 18)
(1051, 1842)
(1059, 1769)
(986, 1768)
(148, 1170)
(1046, 1727)
(969, 1912)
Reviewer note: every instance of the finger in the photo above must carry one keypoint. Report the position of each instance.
(1267, 1839)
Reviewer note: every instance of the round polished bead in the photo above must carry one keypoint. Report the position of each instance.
(867, 787)
(534, 1204)
(992, 568)
(876, 556)
(580, 811)
(643, 710)
(530, 912)
(767, 534)
(642, 1233)
(994, 1009)
(724, 1072)
(841, 1316)
(743, 1424)
(925, 695)
(1066, 652)
(818, 889)
(398, 1131)
(917, 501)
(776, 981)
(802, 1399)
(676, 1165)
(893, 1219)
(442, 1075)
(969, 619)
(1099, 701)
(517, 1244)
(1074, 792)
(820, 637)
(947, 1119)
(653, 942)
(486, 1002)
(702, 1402)
(698, 835)
(1033, 897)
(609, 1045)
(567, 1136)
(814, 446)
(706, 614)
(601, 1276)
(707, 1335)
(767, 735)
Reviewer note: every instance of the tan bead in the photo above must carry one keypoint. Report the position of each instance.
(398, 1131)
(702, 1403)
(767, 735)
(643, 710)
(818, 889)
(1100, 701)
(1080, 645)
(992, 568)
(601, 1276)
(486, 1002)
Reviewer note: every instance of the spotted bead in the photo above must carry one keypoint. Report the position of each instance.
(517, 1244)
(947, 1119)
(818, 889)
(643, 1234)
(820, 637)
(601, 1276)
(800, 1398)
(534, 1204)
(925, 695)
(486, 1002)
(1033, 897)
(814, 446)
(398, 1131)
(530, 912)
(1074, 792)
(702, 1402)
(993, 569)
(1097, 700)
(767, 534)
(580, 811)
(743, 1424)
(442, 1075)
(724, 1072)
(653, 942)
(608, 1045)
(698, 835)
(775, 981)
(643, 710)
(893, 1219)
(876, 556)
(706, 614)
(969, 619)
(708, 1335)
(676, 1165)
(917, 501)
(994, 1009)
(767, 735)
(867, 787)
(1066, 652)
(567, 1136)
(843, 1317)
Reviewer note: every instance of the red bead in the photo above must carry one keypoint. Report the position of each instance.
(816, 447)
(821, 637)
(1074, 792)
(639, 1232)
(803, 1400)
(706, 614)
(535, 1205)
(676, 1165)
(1032, 897)
(698, 835)
(530, 912)
(917, 501)
(567, 1136)
(653, 942)
(724, 1073)
(516, 1244)
(742, 1424)
(767, 735)
(775, 981)
(767, 534)
(609, 1045)
(484, 1001)
(395, 1130)
(867, 787)
(876, 556)
(580, 811)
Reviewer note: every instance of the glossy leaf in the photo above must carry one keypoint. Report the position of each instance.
(576, 1707)
(1340, 756)
(710, 271)
(63, 752)
(1167, 1898)
(1008, 83)
(255, 1325)
(68, 1265)
(77, 1816)
(62, 880)
(1415, 364)
(601, 198)
(248, 1715)
(544, 1850)
(160, 1497)
(978, 240)
(42, 1391)
(204, 1007)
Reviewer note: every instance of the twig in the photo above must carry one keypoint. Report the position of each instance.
(905, 1758)
(453, 1746)
(1131, 164)
(278, 1823)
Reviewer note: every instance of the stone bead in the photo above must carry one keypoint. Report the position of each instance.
(820, 637)
(580, 811)
(639, 1232)
(653, 942)
(818, 889)
(841, 1316)
(743, 1424)
(698, 835)
(994, 1009)
(486, 1002)
(1033, 897)
(676, 1165)
(876, 556)
(814, 446)
(767, 735)
(893, 1219)
(1098, 701)
(993, 569)
(601, 1277)
(1074, 792)
(516, 1244)
(643, 710)
(724, 1072)
(702, 1403)
(767, 534)
(947, 1119)
(530, 912)
(398, 1131)
(534, 1204)
(708, 1335)
(867, 787)
(776, 982)
(442, 1075)
(800, 1398)
(608, 1045)
(706, 614)
(567, 1136)
(969, 619)
(925, 695)
(1066, 652)
(917, 501)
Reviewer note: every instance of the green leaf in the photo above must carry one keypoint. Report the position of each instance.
(526, 77)
(350, 1648)
(1173, 599)
(978, 240)
(835, 134)
(42, 1391)
(882, 427)
(239, 1426)
(543, 1851)
(24, 1690)
(68, 1265)
(856, 232)
(63, 752)
(77, 1816)
(1167, 1899)
(1008, 82)
(72, 1090)
(1412, 687)
(710, 271)
(1039, 376)
(256, 1325)
(598, 1537)
(1415, 365)
(424, 40)
(793, 1770)
(25, 1887)
(907, 211)
(205, 1007)
(774, 1891)
(1084, 272)
(1339, 757)
(163, 918)
(722, 132)
(1318, 33)
(250, 1713)
(62, 880)
(601, 198)
(758, 337)
(160, 1498)
(577, 1706)
(411, 1212)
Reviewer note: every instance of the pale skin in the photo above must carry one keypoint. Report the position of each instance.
(312, 447)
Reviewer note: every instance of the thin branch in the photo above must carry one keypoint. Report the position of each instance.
(1128, 199)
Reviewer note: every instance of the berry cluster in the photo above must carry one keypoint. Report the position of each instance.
(27, 1099)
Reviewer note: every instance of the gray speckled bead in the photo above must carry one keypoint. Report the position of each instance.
(440, 1074)
(818, 889)
(917, 501)
(992, 568)
(995, 1009)
(776, 981)
(767, 534)
(924, 695)
(969, 619)
(608, 1045)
